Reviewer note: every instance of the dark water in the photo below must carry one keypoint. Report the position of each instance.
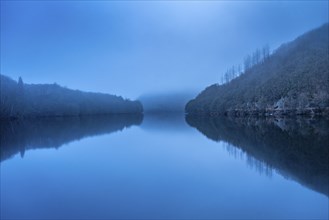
(164, 167)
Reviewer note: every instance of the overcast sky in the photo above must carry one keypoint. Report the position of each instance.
(130, 48)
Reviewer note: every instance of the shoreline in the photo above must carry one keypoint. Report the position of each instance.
(307, 112)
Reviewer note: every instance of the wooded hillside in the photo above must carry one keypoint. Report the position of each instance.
(35, 100)
(294, 79)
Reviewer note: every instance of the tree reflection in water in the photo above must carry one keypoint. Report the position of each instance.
(297, 148)
(21, 135)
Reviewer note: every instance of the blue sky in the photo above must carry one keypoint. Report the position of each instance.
(130, 48)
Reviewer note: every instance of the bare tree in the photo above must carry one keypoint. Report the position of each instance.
(247, 62)
(265, 52)
(239, 70)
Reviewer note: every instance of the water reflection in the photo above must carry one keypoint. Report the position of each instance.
(165, 122)
(21, 135)
(295, 147)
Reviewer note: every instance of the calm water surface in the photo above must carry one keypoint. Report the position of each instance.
(164, 167)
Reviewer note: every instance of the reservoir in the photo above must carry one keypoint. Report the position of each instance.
(164, 166)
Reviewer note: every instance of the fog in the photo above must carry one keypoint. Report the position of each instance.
(132, 48)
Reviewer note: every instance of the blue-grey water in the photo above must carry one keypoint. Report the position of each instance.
(164, 167)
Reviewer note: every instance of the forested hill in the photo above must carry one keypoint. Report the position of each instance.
(292, 80)
(38, 100)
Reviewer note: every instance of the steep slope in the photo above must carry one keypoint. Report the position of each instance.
(293, 80)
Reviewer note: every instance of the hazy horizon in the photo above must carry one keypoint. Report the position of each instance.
(134, 48)
(204, 115)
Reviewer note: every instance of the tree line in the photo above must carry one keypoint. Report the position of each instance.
(19, 100)
(291, 80)
(257, 57)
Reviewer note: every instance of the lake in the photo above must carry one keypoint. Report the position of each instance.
(164, 166)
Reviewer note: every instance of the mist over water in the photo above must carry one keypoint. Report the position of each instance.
(164, 110)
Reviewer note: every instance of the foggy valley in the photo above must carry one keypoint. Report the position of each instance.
(164, 110)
